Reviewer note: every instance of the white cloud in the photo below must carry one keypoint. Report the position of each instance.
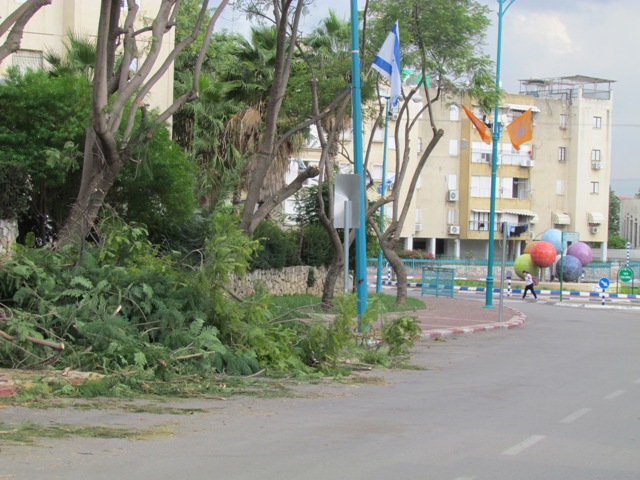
(547, 32)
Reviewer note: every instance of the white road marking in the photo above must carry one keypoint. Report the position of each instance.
(516, 449)
(615, 394)
(575, 415)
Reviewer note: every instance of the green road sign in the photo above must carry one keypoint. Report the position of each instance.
(625, 274)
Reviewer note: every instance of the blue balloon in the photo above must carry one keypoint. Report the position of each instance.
(554, 237)
(571, 268)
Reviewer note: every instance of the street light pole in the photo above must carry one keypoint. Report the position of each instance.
(383, 190)
(494, 158)
(356, 101)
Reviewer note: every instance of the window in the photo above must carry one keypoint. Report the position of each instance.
(485, 158)
(419, 144)
(520, 188)
(562, 154)
(481, 186)
(563, 121)
(453, 147)
(454, 113)
(597, 122)
(559, 187)
(595, 188)
(25, 60)
(479, 221)
(452, 216)
(596, 155)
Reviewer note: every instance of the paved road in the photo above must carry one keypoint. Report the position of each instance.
(556, 399)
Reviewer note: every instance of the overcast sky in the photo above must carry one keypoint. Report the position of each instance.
(555, 38)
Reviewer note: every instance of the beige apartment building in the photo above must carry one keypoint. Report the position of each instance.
(48, 29)
(559, 180)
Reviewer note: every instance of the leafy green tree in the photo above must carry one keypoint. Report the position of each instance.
(157, 189)
(614, 213)
(441, 40)
(42, 126)
(118, 95)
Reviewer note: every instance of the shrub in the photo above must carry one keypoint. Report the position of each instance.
(416, 255)
(317, 250)
(274, 245)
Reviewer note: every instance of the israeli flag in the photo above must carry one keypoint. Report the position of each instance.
(387, 63)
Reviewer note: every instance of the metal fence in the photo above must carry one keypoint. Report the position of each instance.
(438, 281)
(477, 269)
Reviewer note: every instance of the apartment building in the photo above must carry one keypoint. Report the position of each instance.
(630, 220)
(48, 29)
(560, 179)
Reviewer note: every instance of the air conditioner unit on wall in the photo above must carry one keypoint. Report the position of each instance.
(452, 196)
(418, 227)
(454, 230)
(527, 163)
(594, 229)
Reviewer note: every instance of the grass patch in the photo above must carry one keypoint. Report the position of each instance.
(28, 433)
(301, 306)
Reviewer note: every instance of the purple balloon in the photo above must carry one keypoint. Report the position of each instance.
(582, 252)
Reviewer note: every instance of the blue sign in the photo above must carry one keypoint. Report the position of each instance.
(604, 282)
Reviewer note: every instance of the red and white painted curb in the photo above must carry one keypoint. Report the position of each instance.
(515, 321)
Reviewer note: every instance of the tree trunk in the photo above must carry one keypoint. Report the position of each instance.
(98, 176)
(328, 291)
(401, 272)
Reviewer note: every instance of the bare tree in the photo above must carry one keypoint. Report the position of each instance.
(15, 23)
(119, 93)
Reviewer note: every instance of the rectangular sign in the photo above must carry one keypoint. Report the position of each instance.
(347, 187)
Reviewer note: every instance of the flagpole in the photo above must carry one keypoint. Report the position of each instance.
(383, 191)
(494, 159)
(356, 100)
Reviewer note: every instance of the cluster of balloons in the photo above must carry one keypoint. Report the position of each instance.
(545, 252)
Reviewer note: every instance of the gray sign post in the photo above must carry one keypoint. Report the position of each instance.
(346, 212)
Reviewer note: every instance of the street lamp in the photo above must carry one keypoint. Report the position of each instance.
(356, 101)
(494, 158)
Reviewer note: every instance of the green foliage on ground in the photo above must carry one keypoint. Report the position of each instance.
(126, 309)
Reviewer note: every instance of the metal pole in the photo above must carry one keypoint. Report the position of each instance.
(347, 225)
(494, 158)
(383, 191)
(561, 263)
(356, 100)
(505, 235)
(628, 253)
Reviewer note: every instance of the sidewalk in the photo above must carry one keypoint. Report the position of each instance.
(445, 316)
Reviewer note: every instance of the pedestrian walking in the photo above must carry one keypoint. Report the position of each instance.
(528, 285)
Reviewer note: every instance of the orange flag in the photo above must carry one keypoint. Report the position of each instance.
(521, 129)
(480, 126)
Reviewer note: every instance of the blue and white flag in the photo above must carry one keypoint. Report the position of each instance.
(387, 63)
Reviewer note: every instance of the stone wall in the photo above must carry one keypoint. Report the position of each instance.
(288, 281)
(8, 235)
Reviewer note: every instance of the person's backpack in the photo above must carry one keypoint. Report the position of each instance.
(535, 279)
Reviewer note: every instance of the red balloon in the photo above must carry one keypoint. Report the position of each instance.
(543, 254)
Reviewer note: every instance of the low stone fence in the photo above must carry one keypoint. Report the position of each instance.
(288, 281)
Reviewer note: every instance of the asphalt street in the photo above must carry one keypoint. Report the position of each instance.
(556, 399)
